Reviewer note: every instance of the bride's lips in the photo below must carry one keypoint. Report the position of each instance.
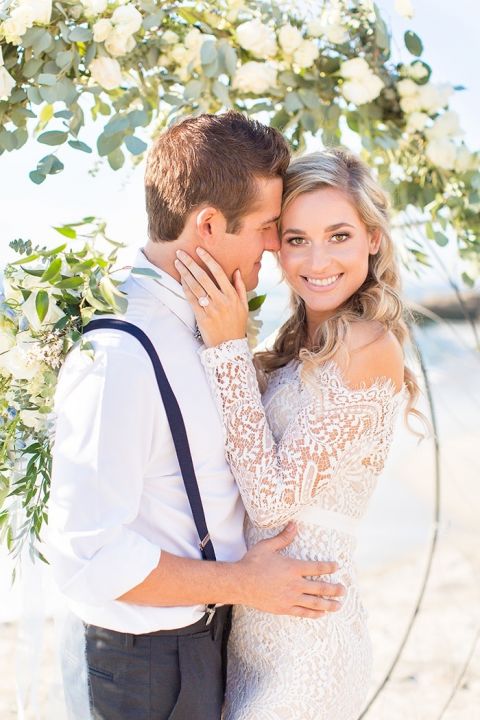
(323, 288)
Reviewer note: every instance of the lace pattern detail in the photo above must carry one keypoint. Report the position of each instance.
(310, 441)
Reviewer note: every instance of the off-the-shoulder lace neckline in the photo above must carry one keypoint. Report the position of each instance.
(330, 374)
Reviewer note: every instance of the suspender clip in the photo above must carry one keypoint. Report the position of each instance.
(205, 541)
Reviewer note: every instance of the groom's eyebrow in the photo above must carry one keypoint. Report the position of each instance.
(272, 220)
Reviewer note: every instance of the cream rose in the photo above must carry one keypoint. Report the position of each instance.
(102, 30)
(257, 38)
(41, 10)
(290, 38)
(306, 54)
(363, 90)
(93, 8)
(354, 69)
(119, 43)
(255, 77)
(417, 122)
(128, 18)
(106, 72)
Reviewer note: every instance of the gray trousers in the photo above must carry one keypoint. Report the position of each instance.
(168, 675)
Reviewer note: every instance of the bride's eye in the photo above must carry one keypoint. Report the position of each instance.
(295, 241)
(340, 237)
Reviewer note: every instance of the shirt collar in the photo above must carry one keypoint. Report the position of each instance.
(168, 290)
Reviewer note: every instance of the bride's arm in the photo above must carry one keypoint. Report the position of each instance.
(277, 479)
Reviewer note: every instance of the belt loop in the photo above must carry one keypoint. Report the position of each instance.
(129, 640)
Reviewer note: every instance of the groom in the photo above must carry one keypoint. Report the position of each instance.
(123, 537)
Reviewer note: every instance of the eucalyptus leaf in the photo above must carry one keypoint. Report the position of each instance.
(31, 68)
(64, 59)
(106, 144)
(78, 145)
(441, 239)
(135, 145)
(193, 90)
(116, 159)
(53, 137)
(80, 34)
(208, 52)
(46, 79)
(413, 43)
(36, 177)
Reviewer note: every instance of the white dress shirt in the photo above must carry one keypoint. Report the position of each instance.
(117, 497)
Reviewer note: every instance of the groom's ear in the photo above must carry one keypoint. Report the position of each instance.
(211, 225)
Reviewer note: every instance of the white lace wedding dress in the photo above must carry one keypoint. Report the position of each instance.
(311, 451)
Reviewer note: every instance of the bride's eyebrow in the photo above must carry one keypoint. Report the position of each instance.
(293, 230)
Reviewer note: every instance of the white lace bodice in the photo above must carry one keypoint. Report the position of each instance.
(310, 450)
(312, 441)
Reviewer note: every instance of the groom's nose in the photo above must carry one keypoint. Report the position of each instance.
(272, 240)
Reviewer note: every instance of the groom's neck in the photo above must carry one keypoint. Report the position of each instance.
(163, 254)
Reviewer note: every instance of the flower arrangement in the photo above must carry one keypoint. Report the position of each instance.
(49, 296)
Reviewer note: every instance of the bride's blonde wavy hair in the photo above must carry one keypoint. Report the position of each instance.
(378, 297)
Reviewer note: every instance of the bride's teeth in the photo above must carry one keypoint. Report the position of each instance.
(326, 281)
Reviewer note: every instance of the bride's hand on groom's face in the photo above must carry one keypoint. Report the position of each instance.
(220, 307)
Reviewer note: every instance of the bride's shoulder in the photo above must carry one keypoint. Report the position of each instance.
(372, 353)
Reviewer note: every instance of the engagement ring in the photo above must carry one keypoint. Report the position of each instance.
(203, 301)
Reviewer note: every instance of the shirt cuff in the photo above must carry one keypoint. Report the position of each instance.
(115, 568)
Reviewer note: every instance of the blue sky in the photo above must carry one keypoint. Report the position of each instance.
(450, 35)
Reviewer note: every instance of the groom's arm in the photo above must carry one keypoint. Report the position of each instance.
(262, 579)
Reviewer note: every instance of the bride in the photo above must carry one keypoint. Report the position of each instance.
(311, 445)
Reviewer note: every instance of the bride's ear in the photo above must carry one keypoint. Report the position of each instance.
(210, 225)
(374, 241)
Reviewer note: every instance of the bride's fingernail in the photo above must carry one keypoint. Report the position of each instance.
(201, 251)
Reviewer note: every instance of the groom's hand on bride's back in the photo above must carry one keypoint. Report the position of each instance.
(281, 585)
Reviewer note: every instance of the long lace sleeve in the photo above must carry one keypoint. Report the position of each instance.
(333, 425)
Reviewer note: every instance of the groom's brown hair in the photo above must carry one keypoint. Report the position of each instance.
(214, 160)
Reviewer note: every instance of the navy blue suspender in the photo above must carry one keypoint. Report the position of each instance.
(177, 428)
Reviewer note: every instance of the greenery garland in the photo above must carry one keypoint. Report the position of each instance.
(135, 67)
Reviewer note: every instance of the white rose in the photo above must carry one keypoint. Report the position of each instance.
(128, 17)
(404, 8)
(7, 340)
(411, 104)
(30, 312)
(434, 97)
(355, 92)
(417, 121)
(255, 77)
(94, 7)
(306, 54)
(170, 37)
(316, 27)
(257, 38)
(442, 153)
(447, 125)
(407, 88)
(16, 362)
(354, 69)
(119, 43)
(102, 29)
(336, 34)
(33, 419)
(106, 72)
(417, 71)
(40, 9)
(464, 160)
(290, 38)
(7, 83)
